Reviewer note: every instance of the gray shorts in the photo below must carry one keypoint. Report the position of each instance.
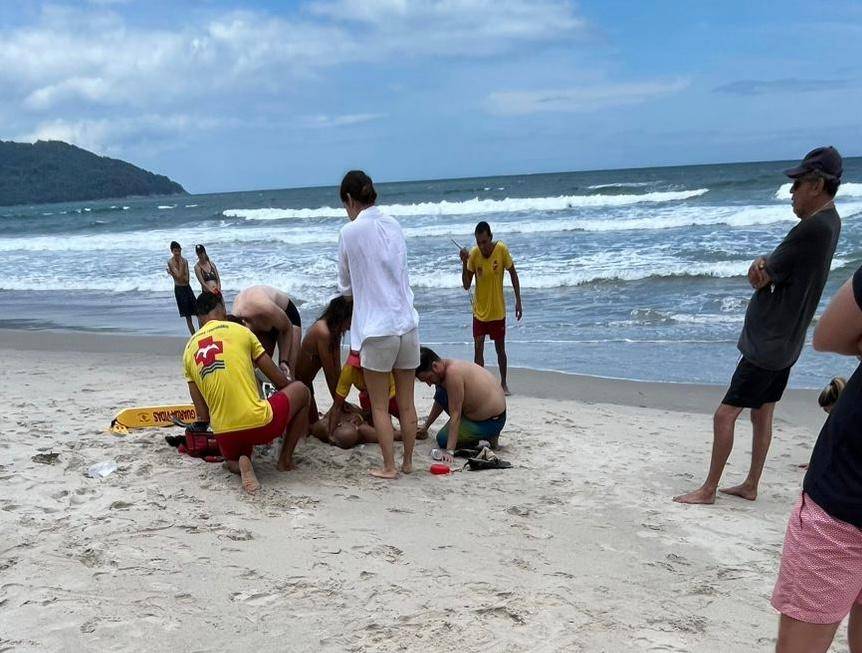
(387, 353)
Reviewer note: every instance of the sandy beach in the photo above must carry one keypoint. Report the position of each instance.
(577, 548)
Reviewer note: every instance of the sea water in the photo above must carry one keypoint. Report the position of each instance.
(624, 273)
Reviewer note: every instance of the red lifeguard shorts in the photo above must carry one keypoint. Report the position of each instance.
(495, 329)
(241, 443)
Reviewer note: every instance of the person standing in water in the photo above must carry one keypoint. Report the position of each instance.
(206, 271)
(178, 269)
(787, 287)
(487, 261)
(372, 269)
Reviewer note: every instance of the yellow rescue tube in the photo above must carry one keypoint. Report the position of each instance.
(148, 417)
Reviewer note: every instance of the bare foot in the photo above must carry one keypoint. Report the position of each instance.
(506, 391)
(246, 471)
(285, 467)
(699, 496)
(389, 474)
(407, 466)
(742, 490)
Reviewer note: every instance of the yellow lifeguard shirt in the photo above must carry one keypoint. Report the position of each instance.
(219, 360)
(353, 377)
(490, 304)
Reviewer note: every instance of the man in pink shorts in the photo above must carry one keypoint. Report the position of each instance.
(820, 581)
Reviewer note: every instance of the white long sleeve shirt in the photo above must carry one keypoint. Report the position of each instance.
(372, 267)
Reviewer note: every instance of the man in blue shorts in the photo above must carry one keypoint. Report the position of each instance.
(469, 394)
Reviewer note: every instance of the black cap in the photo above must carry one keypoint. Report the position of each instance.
(824, 160)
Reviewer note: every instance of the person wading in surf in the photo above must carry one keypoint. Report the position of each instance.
(787, 287)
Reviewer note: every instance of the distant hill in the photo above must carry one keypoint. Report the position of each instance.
(54, 171)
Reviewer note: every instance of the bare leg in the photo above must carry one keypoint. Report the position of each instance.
(249, 479)
(502, 362)
(295, 344)
(297, 425)
(479, 351)
(761, 437)
(378, 392)
(799, 637)
(722, 444)
(404, 382)
(190, 325)
(854, 629)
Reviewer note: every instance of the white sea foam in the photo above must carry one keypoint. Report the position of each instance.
(191, 206)
(166, 206)
(849, 189)
(477, 206)
(248, 234)
(623, 184)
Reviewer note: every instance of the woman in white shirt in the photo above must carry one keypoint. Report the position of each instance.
(372, 268)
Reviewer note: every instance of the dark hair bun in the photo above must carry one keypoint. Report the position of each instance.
(357, 185)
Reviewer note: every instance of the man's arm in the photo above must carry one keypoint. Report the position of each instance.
(271, 371)
(455, 390)
(330, 361)
(436, 409)
(839, 329)
(516, 286)
(335, 413)
(466, 273)
(200, 403)
(344, 287)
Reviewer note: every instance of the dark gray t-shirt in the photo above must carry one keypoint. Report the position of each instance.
(779, 314)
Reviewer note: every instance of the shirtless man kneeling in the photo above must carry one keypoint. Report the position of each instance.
(469, 394)
(271, 315)
(219, 363)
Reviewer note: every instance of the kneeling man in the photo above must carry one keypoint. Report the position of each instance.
(219, 363)
(469, 394)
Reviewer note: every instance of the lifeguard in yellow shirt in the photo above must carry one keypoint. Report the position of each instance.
(219, 362)
(487, 262)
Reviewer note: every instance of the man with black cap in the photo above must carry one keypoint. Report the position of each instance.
(787, 287)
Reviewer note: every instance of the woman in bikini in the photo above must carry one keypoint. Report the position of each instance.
(206, 271)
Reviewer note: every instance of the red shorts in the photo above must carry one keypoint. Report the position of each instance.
(820, 579)
(365, 403)
(496, 329)
(241, 443)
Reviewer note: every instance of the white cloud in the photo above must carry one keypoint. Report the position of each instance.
(343, 120)
(455, 27)
(95, 57)
(102, 135)
(584, 98)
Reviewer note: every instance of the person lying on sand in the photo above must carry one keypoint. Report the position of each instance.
(219, 362)
(321, 350)
(274, 319)
(469, 394)
(347, 428)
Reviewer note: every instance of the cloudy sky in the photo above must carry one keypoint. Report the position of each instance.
(246, 94)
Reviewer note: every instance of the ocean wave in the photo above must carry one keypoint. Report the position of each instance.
(476, 206)
(166, 206)
(849, 189)
(623, 184)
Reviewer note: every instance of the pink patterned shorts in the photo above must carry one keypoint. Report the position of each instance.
(821, 566)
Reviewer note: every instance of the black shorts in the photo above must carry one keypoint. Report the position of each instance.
(185, 301)
(293, 314)
(753, 386)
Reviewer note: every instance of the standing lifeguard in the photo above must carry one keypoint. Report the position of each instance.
(487, 262)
